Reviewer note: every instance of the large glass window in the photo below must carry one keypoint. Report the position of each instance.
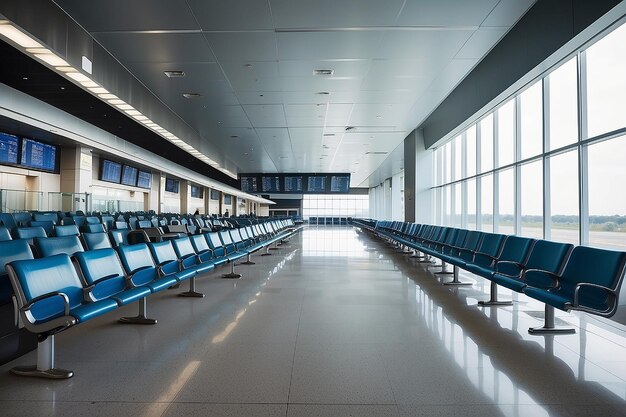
(457, 145)
(447, 163)
(486, 144)
(470, 146)
(607, 205)
(563, 99)
(506, 202)
(564, 217)
(346, 205)
(458, 204)
(531, 123)
(606, 83)
(486, 203)
(506, 133)
(471, 204)
(532, 199)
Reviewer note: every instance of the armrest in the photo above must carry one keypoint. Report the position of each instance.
(611, 293)
(129, 278)
(543, 275)
(87, 292)
(66, 301)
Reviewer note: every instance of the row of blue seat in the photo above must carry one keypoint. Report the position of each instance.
(68, 285)
(558, 274)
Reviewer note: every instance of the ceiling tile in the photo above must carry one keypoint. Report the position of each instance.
(243, 46)
(116, 15)
(232, 15)
(508, 12)
(422, 44)
(342, 68)
(334, 13)
(260, 97)
(157, 47)
(481, 42)
(445, 12)
(271, 115)
(328, 45)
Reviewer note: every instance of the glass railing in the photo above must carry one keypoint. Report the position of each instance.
(114, 206)
(68, 202)
(18, 200)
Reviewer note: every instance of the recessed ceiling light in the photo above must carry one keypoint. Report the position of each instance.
(107, 96)
(51, 59)
(248, 65)
(98, 90)
(192, 95)
(174, 74)
(77, 76)
(24, 78)
(18, 37)
(234, 137)
(323, 72)
(379, 117)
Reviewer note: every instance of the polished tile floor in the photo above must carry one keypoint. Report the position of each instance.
(334, 324)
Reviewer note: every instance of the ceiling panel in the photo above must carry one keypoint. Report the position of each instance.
(260, 97)
(320, 84)
(480, 43)
(232, 15)
(334, 13)
(328, 45)
(157, 47)
(507, 12)
(271, 115)
(243, 70)
(243, 46)
(116, 15)
(423, 44)
(445, 12)
(357, 68)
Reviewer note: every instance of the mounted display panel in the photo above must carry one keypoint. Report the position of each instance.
(129, 175)
(38, 155)
(197, 191)
(9, 146)
(111, 171)
(171, 185)
(215, 195)
(144, 179)
(310, 183)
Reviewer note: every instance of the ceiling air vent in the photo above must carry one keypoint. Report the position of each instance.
(349, 128)
(174, 74)
(192, 95)
(376, 153)
(323, 93)
(323, 72)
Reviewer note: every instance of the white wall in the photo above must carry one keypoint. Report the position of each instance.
(397, 197)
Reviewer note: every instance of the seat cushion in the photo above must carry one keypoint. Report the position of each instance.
(86, 312)
(512, 283)
(480, 270)
(550, 298)
(161, 283)
(131, 295)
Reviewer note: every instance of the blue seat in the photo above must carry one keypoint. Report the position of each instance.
(29, 233)
(47, 225)
(105, 278)
(79, 220)
(92, 228)
(590, 282)
(49, 246)
(96, 241)
(141, 269)
(92, 220)
(7, 220)
(189, 258)
(4, 234)
(108, 222)
(46, 217)
(121, 225)
(50, 299)
(201, 247)
(119, 237)
(11, 250)
(66, 230)
(22, 218)
(545, 256)
(487, 252)
(168, 263)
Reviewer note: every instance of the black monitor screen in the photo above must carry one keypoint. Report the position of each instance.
(249, 184)
(8, 148)
(38, 155)
(171, 185)
(111, 171)
(293, 184)
(228, 199)
(340, 184)
(316, 184)
(215, 195)
(270, 184)
(129, 175)
(197, 191)
(144, 179)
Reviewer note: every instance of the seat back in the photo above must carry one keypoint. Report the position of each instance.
(11, 250)
(45, 217)
(144, 224)
(215, 243)
(516, 249)
(136, 256)
(36, 277)
(4, 234)
(79, 220)
(92, 228)
(163, 252)
(29, 233)
(183, 247)
(108, 222)
(119, 237)
(225, 236)
(7, 220)
(199, 243)
(549, 256)
(22, 218)
(92, 220)
(122, 225)
(99, 263)
(47, 225)
(66, 230)
(235, 236)
(96, 241)
(49, 246)
(491, 244)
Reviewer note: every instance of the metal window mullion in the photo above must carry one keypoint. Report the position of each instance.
(495, 181)
(479, 195)
(464, 183)
(583, 163)
(547, 207)
(517, 172)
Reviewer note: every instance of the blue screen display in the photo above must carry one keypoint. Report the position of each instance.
(38, 155)
(129, 175)
(316, 184)
(111, 171)
(144, 179)
(340, 184)
(171, 186)
(8, 148)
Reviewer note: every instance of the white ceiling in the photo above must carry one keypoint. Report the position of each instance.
(394, 61)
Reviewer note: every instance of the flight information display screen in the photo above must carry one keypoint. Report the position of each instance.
(340, 184)
(171, 185)
(8, 148)
(316, 184)
(129, 175)
(38, 155)
(144, 179)
(197, 191)
(215, 195)
(249, 184)
(111, 171)
(271, 184)
(293, 184)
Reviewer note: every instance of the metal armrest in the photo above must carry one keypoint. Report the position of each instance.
(612, 294)
(129, 278)
(26, 307)
(88, 291)
(554, 277)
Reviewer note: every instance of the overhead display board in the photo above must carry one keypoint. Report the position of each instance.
(309, 183)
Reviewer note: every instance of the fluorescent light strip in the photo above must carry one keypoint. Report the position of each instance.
(19, 37)
(51, 59)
